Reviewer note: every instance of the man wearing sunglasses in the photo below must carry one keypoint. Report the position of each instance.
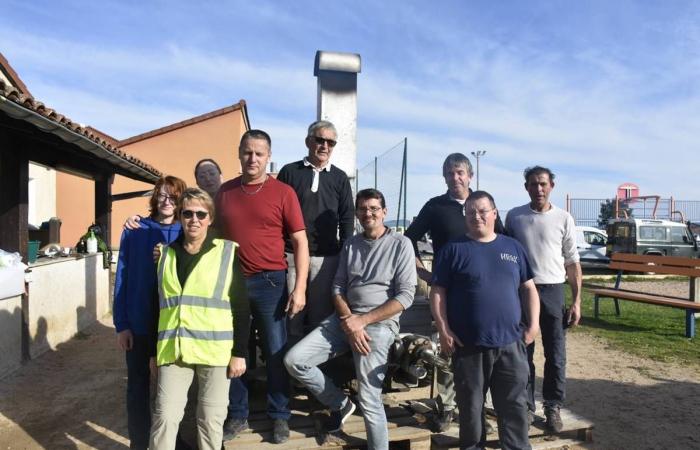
(326, 203)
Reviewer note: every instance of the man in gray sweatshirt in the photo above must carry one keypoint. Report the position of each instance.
(375, 282)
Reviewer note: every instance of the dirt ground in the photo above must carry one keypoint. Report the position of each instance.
(73, 397)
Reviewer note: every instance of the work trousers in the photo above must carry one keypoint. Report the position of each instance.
(319, 300)
(174, 381)
(329, 340)
(267, 294)
(138, 393)
(503, 370)
(554, 345)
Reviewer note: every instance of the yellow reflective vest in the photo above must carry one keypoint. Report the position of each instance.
(195, 323)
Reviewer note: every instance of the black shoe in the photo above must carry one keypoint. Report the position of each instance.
(530, 417)
(335, 423)
(443, 420)
(233, 427)
(553, 419)
(280, 431)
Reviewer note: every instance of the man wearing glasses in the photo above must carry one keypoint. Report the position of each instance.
(481, 287)
(326, 203)
(374, 284)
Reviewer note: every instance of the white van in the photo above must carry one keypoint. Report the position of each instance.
(591, 243)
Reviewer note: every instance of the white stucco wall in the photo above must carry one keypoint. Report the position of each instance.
(10, 334)
(42, 193)
(65, 296)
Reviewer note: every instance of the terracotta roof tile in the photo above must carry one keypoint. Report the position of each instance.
(17, 95)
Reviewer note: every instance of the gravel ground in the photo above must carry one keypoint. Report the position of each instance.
(73, 397)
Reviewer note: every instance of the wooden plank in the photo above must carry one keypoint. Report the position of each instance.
(646, 298)
(644, 268)
(655, 259)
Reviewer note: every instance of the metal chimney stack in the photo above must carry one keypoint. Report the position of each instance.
(337, 102)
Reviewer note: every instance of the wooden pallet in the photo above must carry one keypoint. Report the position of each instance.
(307, 432)
(576, 431)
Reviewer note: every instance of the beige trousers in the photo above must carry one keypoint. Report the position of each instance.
(212, 399)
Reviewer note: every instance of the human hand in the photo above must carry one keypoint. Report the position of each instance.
(359, 342)
(125, 340)
(236, 367)
(295, 303)
(132, 223)
(156, 252)
(353, 323)
(530, 334)
(573, 315)
(448, 342)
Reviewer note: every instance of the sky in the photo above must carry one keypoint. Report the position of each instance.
(601, 92)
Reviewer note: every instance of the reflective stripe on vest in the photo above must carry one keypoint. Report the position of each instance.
(195, 323)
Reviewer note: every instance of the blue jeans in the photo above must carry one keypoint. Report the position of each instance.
(138, 393)
(267, 293)
(328, 341)
(554, 346)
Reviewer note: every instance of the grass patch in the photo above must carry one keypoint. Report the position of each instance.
(649, 331)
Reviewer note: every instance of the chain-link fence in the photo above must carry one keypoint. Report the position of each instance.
(387, 173)
(596, 212)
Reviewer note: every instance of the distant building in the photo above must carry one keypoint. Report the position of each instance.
(173, 149)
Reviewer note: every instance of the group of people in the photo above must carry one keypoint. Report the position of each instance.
(282, 252)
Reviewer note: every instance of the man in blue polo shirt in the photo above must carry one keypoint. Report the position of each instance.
(481, 284)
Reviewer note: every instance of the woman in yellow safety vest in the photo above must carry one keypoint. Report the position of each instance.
(203, 324)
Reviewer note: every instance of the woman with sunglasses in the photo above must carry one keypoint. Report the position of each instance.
(203, 323)
(133, 293)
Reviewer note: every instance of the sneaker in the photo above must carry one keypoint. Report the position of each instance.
(233, 427)
(280, 431)
(443, 420)
(553, 419)
(335, 423)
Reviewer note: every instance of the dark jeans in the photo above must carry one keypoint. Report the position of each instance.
(503, 370)
(138, 393)
(267, 293)
(554, 345)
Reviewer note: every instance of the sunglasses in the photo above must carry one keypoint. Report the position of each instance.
(188, 214)
(320, 141)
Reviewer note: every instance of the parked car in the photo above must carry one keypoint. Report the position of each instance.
(591, 244)
(651, 237)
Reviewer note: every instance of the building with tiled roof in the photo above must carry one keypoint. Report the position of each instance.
(174, 149)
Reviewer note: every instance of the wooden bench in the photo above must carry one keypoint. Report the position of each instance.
(668, 265)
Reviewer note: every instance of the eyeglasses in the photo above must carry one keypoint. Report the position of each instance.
(188, 214)
(320, 141)
(372, 209)
(481, 213)
(167, 198)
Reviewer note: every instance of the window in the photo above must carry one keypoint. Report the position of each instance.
(651, 233)
(679, 236)
(594, 238)
(622, 231)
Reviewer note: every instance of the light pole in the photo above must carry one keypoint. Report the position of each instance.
(478, 154)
